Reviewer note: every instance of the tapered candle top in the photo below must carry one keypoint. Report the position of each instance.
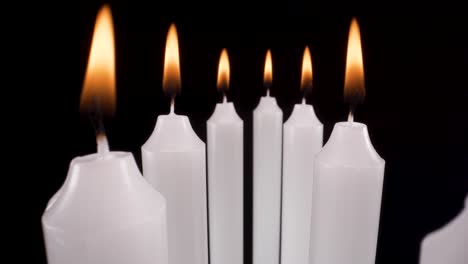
(268, 74)
(354, 91)
(98, 96)
(171, 78)
(98, 93)
(223, 74)
(307, 74)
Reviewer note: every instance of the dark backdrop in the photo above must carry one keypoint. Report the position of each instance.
(415, 108)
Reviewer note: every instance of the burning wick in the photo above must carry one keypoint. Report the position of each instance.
(223, 74)
(98, 95)
(306, 80)
(268, 73)
(97, 120)
(172, 105)
(351, 114)
(354, 90)
(171, 77)
(102, 143)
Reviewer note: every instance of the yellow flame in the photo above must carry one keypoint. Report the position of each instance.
(171, 78)
(354, 78)
(306, 80)
(268, 75)
(223, 71)
(99, 84)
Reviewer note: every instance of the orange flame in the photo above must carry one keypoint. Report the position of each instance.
(306, 80)
(268, 74)
(223, 72)
(99, 85)
(354, 79)
(171, 78)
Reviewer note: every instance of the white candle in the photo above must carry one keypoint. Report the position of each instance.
(174, 163)
(105, 212)
(303, 137)
(449, 243)
(267, 138)
(225, 177)
(348, 181)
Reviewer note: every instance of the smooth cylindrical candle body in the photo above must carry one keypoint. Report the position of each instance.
(346, 198)
(174, 163)
(105, 212)
(302, 140)
(226, 185)
(449, 243)
(267, 128)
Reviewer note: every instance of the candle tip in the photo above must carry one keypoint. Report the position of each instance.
(224, 98)
(268, 92)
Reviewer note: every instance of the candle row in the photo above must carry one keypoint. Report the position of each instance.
(106, 213)
(310, 204)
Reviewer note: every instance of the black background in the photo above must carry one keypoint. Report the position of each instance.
(415, 108)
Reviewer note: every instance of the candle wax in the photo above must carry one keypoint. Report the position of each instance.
(225, 185)
(105, 212)
(174, 163)
(449, 243)
(267, 138)
(303, 137)
(346, 198)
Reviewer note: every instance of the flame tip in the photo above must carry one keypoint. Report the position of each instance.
(354, 79)
(98, 93)
(171, 76)
(268, 73)
(307, 72)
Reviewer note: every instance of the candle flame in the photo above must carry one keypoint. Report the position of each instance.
(268, 74)
(354, 79)
(306, 81)
(223, 72)
(99, 86)
(171, 78)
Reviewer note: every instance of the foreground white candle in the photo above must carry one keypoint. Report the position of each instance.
(303, 137)
(105, 212)
(449, 243)
(225, 177)
(267, 138)
(174, 163)
(348, 181)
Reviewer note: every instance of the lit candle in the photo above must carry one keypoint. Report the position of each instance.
(303, 138)
(225, 176)
(448, 244)
(105, 212)
(174, 163)
(348, 180)
(267, 130)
